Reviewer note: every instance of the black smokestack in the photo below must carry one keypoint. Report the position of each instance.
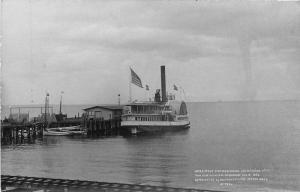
(163, 84)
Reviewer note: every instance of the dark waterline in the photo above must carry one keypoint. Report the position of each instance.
(244, 135)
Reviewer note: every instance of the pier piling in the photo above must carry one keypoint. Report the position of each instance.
(97, 127)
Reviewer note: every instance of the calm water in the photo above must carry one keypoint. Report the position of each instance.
(246, 135)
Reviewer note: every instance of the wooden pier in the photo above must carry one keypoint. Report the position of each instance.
(18, 133)
(31, 184)
(24, 132)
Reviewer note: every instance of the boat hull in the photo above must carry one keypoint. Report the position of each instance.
(64, 128)
(55, 133)
(137, 127)
(72, 130)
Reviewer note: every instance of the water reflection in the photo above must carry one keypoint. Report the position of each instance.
(158, 159)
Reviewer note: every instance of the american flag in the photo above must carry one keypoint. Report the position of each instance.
(135, 79)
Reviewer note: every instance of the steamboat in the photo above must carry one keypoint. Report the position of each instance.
(165, 113)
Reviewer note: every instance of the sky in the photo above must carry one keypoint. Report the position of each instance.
(213, 50)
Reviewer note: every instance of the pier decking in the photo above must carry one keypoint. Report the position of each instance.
(22, 183)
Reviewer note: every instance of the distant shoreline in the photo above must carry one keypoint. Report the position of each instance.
(220, 101)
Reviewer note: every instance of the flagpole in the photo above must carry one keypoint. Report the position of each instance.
(146, 93)
(130, 96)
(130, 99)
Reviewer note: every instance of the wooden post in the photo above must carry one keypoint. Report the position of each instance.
(90, 125)
(84, 122)
(101, 127)
(42, 127)
(10, 135)
(38, 129)
(111, 127)
(119, 126)
(87, 127)
(17, 133)
(13, 133)
(93, 125)
(22, 132)
(105, 128)
(97, 128)
(34, 131)
(28, 132)
(116, 127)
(3, 136)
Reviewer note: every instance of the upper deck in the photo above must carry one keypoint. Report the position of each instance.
(175, 107)
(150, 108)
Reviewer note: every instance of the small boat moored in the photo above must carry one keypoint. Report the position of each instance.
(72, 130)
(55, 132)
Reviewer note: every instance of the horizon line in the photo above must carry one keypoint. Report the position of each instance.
(215, 101)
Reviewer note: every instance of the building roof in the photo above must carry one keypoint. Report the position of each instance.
(109, 107)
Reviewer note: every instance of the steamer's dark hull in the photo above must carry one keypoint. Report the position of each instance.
(136, 128)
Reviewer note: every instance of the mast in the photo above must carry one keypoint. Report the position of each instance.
(60, 103)
(46, 108)
(45, 118)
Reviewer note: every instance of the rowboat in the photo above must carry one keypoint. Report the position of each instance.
(56, 132)
(72, 130)
(75, 130)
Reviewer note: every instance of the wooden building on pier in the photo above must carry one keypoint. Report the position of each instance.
(105, 112)
(103, 120)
